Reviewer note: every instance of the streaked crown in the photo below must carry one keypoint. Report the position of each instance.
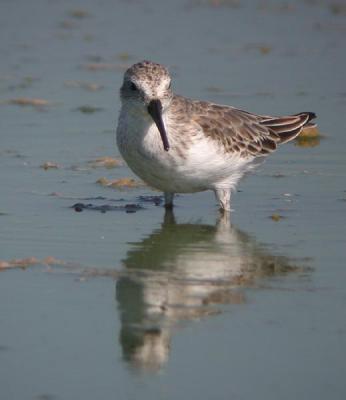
(146, 81)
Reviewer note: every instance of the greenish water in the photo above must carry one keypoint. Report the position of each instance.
(148, 305)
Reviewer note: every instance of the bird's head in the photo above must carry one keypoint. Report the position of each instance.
(147, 87)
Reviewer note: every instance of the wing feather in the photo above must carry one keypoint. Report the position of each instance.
(248, 134)
(239, 131)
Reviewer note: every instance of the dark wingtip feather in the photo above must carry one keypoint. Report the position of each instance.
(311, 115)
(287, 128)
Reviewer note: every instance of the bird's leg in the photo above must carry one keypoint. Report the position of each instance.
(168, 200)
(223, 196)
(169, 218)
(223, 223)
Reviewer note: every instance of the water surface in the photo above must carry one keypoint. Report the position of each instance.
(145, 304)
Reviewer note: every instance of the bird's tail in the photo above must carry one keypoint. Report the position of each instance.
(288, 128)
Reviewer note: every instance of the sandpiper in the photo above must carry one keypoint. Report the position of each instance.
(180, 145)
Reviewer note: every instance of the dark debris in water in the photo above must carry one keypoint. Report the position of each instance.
(156, 200)
(129, 208)
(88, 109)
(338, 8)
(276, 217)
(103, 208)
(103, 198)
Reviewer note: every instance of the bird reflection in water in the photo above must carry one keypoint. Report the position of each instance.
(184, 272)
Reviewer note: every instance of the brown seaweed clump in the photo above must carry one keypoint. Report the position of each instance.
(122, 183)
(106, 162)
(309, 137)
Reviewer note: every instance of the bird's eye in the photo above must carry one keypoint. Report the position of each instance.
(133, 86)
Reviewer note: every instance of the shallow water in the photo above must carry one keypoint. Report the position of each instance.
(117, 304)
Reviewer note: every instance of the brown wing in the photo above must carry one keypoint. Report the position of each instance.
(245, 133)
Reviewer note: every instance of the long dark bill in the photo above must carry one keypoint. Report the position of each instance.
(155, 110)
